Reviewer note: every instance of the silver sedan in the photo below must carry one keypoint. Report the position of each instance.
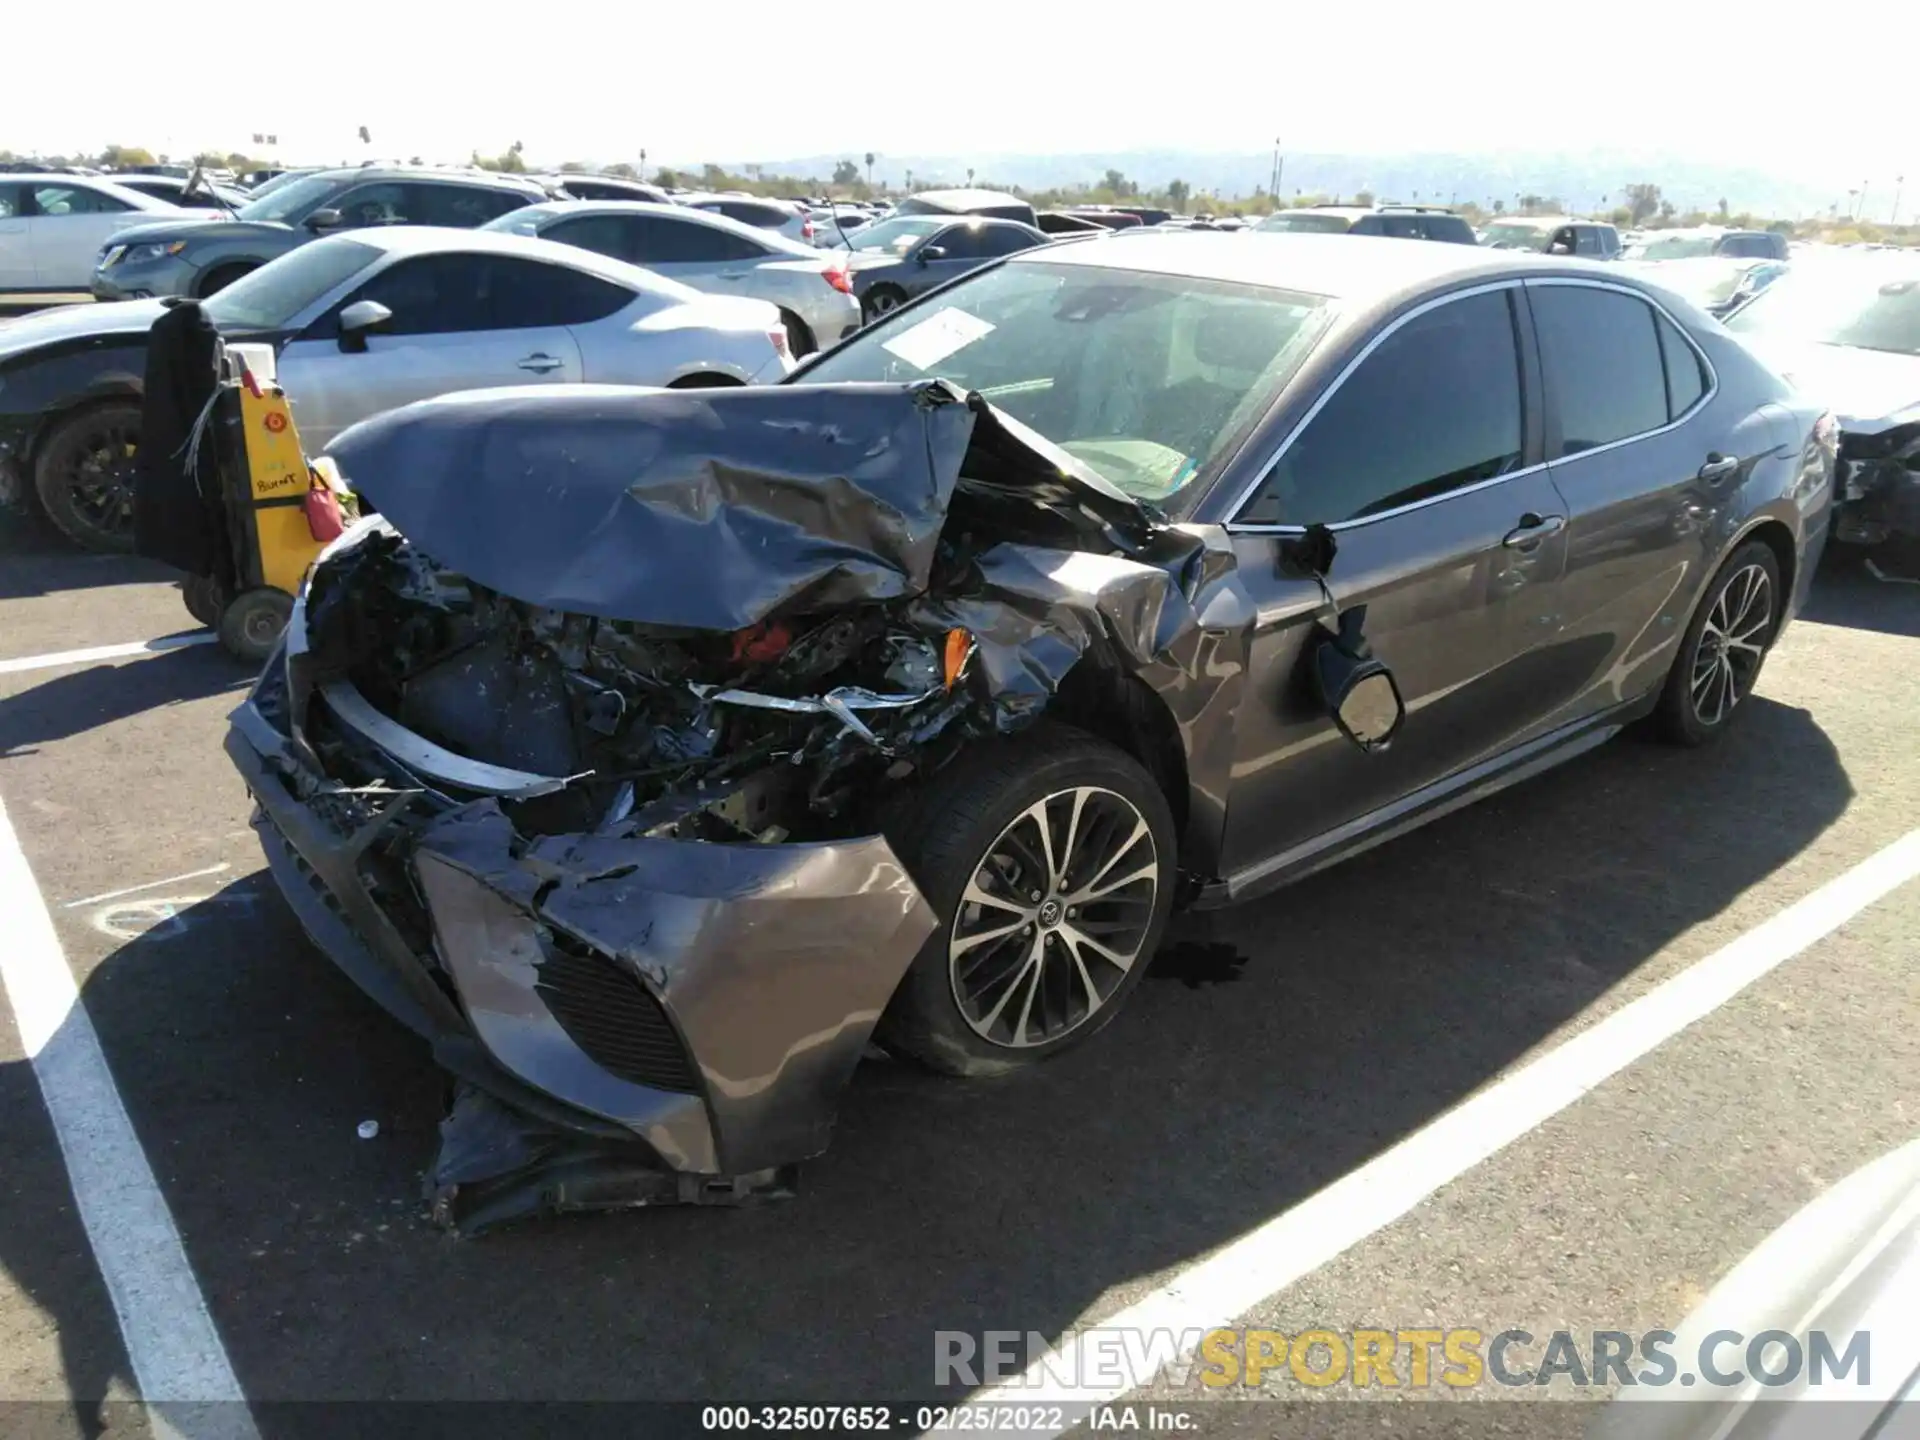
(370, 321)
(709, 252)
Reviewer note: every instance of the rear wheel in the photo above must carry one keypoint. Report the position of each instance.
(1049, 860)
(221, 276)
(84, 476)
(799, 337)
(1725, 646)
(204, 598)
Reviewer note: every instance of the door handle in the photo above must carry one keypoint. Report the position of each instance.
(733, 275)
(1532, 529)
(1719, 468)
(541, 363)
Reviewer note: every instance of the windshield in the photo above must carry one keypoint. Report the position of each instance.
(1150, 380)
(269, 298)
(897, 236)
(1866, 308)
(289, 200)
(1304, 221)
(1675, 247)
(1518, 237)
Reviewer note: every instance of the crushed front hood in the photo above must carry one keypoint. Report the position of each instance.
(708, 509)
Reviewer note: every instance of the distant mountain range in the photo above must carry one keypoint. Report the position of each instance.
(1580, 179)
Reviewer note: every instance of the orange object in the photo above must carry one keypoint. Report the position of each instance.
(959, 647)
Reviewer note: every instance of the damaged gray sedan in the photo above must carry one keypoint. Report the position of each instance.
(652, 753)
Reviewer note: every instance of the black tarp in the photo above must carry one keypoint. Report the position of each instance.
(178, 516)
(704, 509)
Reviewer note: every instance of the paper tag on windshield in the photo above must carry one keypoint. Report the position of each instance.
(925, 345)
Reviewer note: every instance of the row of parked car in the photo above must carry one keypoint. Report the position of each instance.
(385, 284)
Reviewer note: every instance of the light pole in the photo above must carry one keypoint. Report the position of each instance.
(1863, 201)
(1898, 182)
(1278, 167)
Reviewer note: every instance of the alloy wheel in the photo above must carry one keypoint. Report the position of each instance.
(1732, 644)
(100, 478)
(1054, 917)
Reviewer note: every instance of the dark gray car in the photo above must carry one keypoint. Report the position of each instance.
(197, 258)
(905, 700)
(893, 260)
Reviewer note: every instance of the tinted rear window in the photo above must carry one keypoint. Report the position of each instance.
(1603, 366)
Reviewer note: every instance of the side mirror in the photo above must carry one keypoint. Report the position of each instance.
(1357, 688)
(357, 319)
(926, 254)
(321, 220)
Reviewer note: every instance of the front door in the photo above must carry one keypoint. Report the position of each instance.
(16, 247)
(456, 326)
(1452, 537)
(67, 224)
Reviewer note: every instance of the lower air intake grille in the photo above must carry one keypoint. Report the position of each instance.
(612, 1017)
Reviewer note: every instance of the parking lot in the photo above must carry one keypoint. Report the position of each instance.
(1261, 1064)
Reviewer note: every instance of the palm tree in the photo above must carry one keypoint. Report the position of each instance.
(869, 169)
(969, 175)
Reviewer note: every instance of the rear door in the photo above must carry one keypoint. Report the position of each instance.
(1642, 468)
(963, 248)
(703, 256)
(67, 223)
(16, 245)
(460, 322)
(1423, 459)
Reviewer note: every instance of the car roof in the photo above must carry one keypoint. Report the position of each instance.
(490, 179)
(439, 239)
(1542, 222)
(709, 197)
(961, 199)
(682, 214)
(1355, 268)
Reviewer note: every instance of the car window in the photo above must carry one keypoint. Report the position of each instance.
(464, 207)
(443, 294)
(1404, 227)
(612, 235)
(525, 293)
(1151, 380)
(382, 203)
(12, 201)
(961, 242)
(748, 213)
(1686, 383)
(1436, 406)
(1004, 240)
(1602, 360)
(663, 240)
(1450, 228)
(54, 200)
(272, 296)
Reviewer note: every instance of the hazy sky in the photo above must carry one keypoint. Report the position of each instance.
(744, 79)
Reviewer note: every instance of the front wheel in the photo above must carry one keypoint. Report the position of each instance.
(84, 476)
(1049, 860)
(251, 625)
(1725, 646)
(882, 300)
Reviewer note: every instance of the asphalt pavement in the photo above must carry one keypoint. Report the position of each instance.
(1261, 1063)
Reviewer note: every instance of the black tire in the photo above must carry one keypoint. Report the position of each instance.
(881, 300)
(204, 599)
(974, 820)
(221, 276)
(799, 338)
(84, 476)
(1724, 648)
(252, 622)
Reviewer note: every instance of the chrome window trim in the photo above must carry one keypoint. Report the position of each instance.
(1250, 527)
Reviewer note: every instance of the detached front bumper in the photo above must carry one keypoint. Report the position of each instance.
(688, 1007)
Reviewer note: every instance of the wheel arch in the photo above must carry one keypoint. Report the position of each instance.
(1107, 701)
(1777, 536)
(107, 389)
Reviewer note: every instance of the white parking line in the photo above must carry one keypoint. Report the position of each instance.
(107, 652)
(177, 1358)
(1239, 1276)
(150, 885)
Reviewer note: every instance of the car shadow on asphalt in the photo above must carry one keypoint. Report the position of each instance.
(35, 559)
(1309, 1033)
(73, 701)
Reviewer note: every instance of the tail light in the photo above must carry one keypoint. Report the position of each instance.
(806, 229)
(837, 278)
(778, 335)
